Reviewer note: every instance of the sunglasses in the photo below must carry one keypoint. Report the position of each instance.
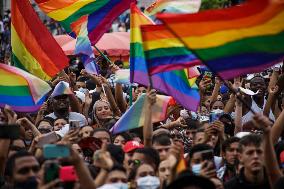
(136, 162)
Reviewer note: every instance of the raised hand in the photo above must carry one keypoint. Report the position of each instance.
(151, 96)
(102, 158)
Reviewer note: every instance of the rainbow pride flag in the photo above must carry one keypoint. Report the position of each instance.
(83, 47)
(33, 47)
(163, 51)
(173, 83)
(20, 90)
(134, 117)
(101, 14)
(173, 6)
(234, 41)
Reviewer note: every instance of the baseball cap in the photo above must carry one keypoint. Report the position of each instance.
(132, 145)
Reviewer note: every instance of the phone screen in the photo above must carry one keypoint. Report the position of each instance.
(47, 139)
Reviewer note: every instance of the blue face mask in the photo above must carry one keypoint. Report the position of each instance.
(196, 169)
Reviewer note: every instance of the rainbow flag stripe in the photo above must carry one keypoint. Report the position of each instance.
(234, 41)
(33, 47)
(21, 90)
(101, 14)
(163, 51)
(173, 83)
(134, 117)
(173, 6)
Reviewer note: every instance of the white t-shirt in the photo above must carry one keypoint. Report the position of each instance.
(73, 116)
(254, 107)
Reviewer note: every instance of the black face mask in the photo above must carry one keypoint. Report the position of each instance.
(30, 183)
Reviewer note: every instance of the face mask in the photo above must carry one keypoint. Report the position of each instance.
(217, 111)
(83, 90)
(30, 183)
(196, 169)
(148, 182)
(233, 115)
(119, 185)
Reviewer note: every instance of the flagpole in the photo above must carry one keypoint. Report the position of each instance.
(103, 55)
(235, 92)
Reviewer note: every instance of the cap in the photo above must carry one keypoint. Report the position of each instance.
(132, 145)
(62, 88)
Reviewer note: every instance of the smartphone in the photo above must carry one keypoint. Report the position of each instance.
(51, 172)
(214, 117)
(74, 124)
(9, 131)
(67, 174)
(47, 139)
(52, 151)
(89, 145)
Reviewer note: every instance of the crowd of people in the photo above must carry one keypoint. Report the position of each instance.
(233, 141)
(5, 36)
(68, 143)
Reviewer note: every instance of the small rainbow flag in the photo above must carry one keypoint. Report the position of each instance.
(134, 117)
(173, 6)
(101, 14)
(83, 47)
(33, 47)
(173, 83)
(21, 90)
(163, 51)
(234, 41)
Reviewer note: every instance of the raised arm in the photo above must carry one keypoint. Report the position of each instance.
(238, 117)
(216, 89)
(277, 128)
(119, 98)
(148, 126)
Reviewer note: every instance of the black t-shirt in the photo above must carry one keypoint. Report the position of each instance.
(239, 182)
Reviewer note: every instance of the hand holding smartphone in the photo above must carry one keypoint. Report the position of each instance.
(47, 139)
(53, 151)
(74, 124)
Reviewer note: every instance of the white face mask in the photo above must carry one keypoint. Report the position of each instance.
(217, 111)
(196, 169)
(148, 182)
(119, 185)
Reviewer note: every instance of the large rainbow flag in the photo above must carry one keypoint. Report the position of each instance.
(163, 51)
(174, 83)
(101, 14)
(234, 41)
(20, 90)
(33, 47)
(134, 117)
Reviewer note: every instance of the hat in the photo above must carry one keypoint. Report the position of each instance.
(186, 179)
(62, 88)
(132, 145)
